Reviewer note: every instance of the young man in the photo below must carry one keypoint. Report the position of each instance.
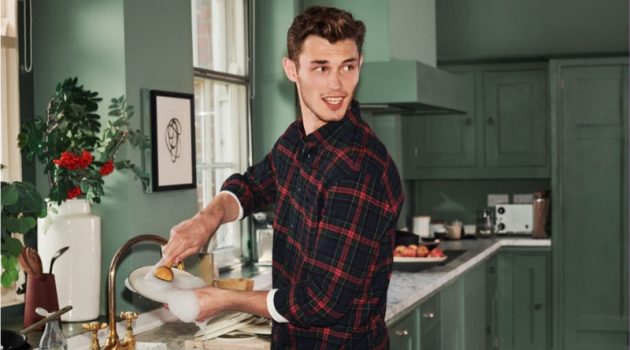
(337, 197)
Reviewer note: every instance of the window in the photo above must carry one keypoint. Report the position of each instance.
(220, 44)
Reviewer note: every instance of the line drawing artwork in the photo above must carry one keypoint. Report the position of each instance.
(172, 138)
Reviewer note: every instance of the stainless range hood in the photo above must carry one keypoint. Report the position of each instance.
(409, 87)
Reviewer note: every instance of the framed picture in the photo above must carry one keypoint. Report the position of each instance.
(172, 141)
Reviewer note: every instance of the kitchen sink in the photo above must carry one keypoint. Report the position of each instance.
(452, 254)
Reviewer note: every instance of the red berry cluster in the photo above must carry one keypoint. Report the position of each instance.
(74, 192)
(107, 168)
(72, 161)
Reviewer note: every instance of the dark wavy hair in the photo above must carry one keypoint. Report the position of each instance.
(329, 23)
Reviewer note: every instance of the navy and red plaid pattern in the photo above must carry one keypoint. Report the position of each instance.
(337, 197)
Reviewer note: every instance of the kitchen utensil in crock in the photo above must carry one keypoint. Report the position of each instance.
(31, 262)
(41, 291)
(57, 255)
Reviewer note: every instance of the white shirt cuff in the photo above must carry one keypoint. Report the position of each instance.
(240, 207)
(272, 308)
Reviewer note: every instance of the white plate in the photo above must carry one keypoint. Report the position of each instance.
(144, 283)
(429, 259)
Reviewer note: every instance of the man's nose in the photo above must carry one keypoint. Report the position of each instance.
(334, 81)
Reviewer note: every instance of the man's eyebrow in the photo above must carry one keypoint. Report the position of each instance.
(353, 59)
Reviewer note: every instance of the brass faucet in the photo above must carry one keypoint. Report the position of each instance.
(112, 342)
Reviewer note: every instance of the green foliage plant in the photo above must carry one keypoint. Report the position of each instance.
(69, 143)
(21, 206)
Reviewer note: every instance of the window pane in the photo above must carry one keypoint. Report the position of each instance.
(221, 121)
(219, 35)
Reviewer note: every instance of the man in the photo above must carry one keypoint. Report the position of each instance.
(337, 197)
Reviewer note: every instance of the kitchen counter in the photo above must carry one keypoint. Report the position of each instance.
(406, 289)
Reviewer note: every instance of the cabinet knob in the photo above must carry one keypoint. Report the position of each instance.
(537, 306)
(402, 332)
(468, 121)
(490, 121)
(428, 315)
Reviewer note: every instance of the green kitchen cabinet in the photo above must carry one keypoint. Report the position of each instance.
(475, 319)
(446, 141)
(504, 132)
(492, 297)
(404, 334)
(523, 300)
(590, 203)
(430, 323)
(452, 315)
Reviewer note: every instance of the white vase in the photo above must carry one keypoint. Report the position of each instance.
(77, 271)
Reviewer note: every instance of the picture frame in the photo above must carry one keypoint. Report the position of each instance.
(172, 141)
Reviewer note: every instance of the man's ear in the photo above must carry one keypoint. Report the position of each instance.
(360, 60)
(290, 69)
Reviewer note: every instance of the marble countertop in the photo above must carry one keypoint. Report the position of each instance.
(406, 290)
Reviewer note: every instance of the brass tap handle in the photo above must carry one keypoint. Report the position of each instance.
(130, 340)
(94, 327)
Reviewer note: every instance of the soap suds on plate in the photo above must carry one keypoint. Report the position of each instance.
(183, 304)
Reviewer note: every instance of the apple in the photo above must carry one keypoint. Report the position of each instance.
(437, 253)
(409, 252)
(422, 251)
(399, 249)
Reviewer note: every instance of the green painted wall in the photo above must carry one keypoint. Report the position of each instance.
(447, 200)
(529, 28)
(119, 47)
(390, 24)
(274, 99)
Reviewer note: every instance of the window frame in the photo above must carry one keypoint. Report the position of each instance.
(228, 257)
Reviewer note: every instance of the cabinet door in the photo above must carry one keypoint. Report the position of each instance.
(430, 316)
(440, 141)
(516, 118)
(591, 233)
(475, 308)
(403, 335)
(523, 300)
(452, 326)
(492, 336)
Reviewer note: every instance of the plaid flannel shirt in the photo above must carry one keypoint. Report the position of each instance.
(337, 196)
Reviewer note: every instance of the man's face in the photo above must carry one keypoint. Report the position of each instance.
(326, 79)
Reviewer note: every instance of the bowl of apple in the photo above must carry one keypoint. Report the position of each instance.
(418, 257)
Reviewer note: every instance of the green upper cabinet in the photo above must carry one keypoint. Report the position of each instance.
(433, 142)
(504, 132)
(515, 117)
(590, 207)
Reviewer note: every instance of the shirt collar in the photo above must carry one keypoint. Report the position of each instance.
(330, 129)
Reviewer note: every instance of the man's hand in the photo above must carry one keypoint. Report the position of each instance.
(214, 300)
(190, 236)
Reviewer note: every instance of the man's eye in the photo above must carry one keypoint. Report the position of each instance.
(321, 69)
(349, 68)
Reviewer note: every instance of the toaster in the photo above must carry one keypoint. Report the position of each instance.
(514, 219)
